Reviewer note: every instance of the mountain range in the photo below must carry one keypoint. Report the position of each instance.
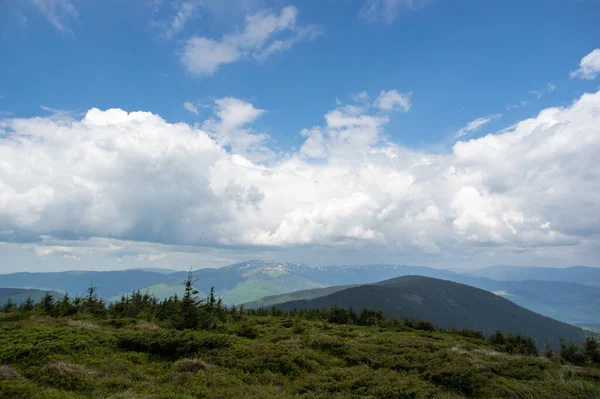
(571, 294)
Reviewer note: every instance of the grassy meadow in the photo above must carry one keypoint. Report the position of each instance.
(268, 357)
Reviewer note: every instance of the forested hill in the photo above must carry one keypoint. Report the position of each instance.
(20, 295)
(446, 304)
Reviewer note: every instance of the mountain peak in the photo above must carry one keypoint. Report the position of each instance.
(268, 267)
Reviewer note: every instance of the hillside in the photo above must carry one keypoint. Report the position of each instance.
(268, 357)
(296, 295)
(446, 304)
(20, 295)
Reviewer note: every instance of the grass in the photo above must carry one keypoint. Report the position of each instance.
(268, 357)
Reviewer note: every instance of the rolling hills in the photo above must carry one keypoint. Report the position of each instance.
(249, 282)
(446, 304)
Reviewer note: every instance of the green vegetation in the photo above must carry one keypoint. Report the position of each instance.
(142, 347)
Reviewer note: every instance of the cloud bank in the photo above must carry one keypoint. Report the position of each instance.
(133, 176)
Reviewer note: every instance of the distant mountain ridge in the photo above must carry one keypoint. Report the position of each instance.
(584, 275)
(446, 304)
(249, 282)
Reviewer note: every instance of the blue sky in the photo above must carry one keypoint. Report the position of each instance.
(461, 59)
(260, 78)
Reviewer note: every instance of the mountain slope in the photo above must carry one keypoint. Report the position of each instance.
(296, 296)
(446, 304)
(20, 295)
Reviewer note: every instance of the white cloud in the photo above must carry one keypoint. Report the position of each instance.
(58, 12)
(113, 180)
(184, 11)
(550, 87)
(388, 10)
(521, 104)
(589, 66)
(392, 100)
(229, 128)
(475, 124)
(203, 56)
(191, 107)
(361, 97)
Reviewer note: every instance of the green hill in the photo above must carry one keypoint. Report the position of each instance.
(20, 295)
(447, 305)
(269, 357)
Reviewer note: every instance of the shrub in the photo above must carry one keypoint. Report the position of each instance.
(172, 344)
(192, 365)
(8, 373)
(248, 330)
(69, 376)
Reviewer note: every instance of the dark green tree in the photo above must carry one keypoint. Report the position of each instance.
(28, 305)
(47, 305)
(189, 306)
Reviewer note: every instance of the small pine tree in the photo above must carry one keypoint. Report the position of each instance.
(93, 304)
(28, 305)
(47, 305)
(497, 338)
(65, 307)
(9, 306)
(189, 311)
(592, 350)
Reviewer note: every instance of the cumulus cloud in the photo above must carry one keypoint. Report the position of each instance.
(58, 12)
(392, 100)
(133, 177)
(475, 124)
(261, 37)
(229, 128)
(589, 66)
(388, 10)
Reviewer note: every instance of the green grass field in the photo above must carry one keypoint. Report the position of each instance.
(267, 357)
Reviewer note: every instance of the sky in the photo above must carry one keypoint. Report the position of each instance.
(200, 133)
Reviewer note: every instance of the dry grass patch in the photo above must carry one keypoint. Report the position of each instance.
(66, 369)
(8, 373)
(82, 324)
(143, 326)
(192, 365)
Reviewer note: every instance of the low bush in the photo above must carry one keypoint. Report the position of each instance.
(68, 376)
(192, 365)
(173, 344)
(8, 373)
